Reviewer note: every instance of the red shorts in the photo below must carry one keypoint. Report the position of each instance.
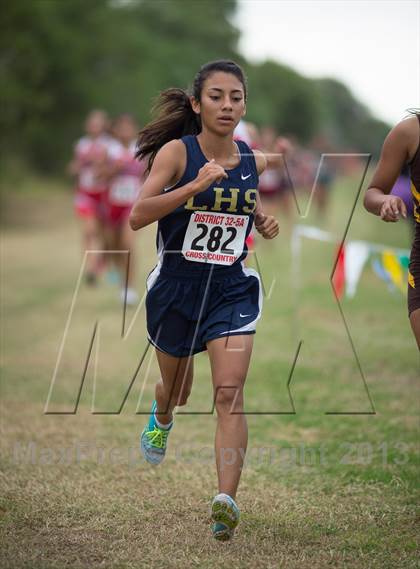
(274, 194)
(117, 214)
(89, 204)
(250, 241)
(120, 198)
(269, 194)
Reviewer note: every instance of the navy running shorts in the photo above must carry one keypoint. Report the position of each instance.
(413, 297)
(186, 310)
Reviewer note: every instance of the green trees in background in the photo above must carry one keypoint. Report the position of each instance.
(61, 58)
(283, 98)
(345, 120)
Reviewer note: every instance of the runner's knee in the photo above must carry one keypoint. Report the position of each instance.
(229, 398)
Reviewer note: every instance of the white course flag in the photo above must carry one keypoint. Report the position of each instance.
(309, 232)
(356, 255)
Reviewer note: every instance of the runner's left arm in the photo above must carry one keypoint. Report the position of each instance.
(266, 225)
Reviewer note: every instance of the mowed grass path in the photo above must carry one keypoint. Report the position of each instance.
(332, 472)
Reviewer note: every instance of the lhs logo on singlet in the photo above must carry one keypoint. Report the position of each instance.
(216, 238)
(229, 200)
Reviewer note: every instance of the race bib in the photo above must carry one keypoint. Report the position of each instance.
(216, 238)
(124, 190)
(87, 178)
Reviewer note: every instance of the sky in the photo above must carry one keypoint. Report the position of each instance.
(373, 46)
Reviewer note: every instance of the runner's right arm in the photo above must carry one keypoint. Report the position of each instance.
(153, 204)
(395, 153)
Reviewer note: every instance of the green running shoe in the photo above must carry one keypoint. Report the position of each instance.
(225, 514)
(153, 440)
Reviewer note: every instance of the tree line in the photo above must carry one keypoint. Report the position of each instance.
(61, 58)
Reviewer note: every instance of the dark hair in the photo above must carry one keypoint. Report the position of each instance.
(174, 114)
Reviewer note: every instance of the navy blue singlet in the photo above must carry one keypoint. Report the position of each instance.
(209, 230)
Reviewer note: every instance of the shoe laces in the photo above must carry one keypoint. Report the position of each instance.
(158, 437)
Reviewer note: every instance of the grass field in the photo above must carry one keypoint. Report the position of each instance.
(332, 473)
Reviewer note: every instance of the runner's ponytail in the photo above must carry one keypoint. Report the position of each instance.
(174, 118)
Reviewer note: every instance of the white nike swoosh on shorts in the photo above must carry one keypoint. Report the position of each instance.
(244, 315)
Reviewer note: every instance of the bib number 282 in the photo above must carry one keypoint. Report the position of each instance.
(212, 239)
(215, 238)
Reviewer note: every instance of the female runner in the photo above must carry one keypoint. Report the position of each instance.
(125, 177)
(274, 186)
(401, 146)
(88, 164)
(202, 188)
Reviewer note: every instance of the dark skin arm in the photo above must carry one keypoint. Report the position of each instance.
(399, 148)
